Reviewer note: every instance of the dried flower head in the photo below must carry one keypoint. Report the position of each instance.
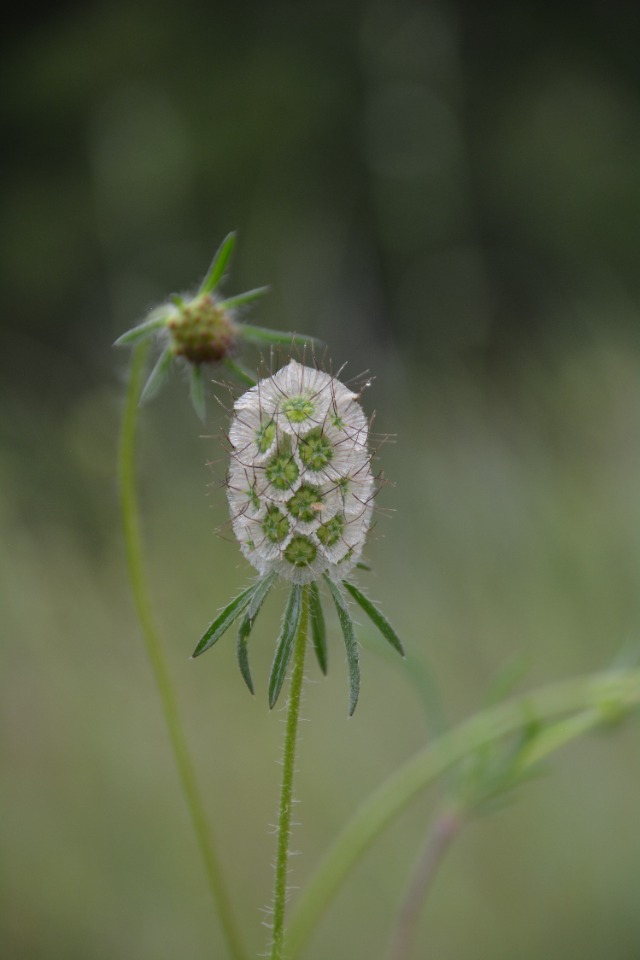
(300, 485)
(300, 489)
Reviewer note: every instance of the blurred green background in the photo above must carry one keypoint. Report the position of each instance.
(449, 195)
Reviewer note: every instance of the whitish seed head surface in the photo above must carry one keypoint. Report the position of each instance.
(300, 486)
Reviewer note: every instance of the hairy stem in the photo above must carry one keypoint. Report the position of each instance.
(144, 609)
(594, 701)
(441, 832)
(286, 792)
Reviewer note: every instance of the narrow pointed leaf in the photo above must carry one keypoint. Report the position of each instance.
(318, 629)
(197, 391)
(246, 625)
(290, 626)
(346, 624)
(242, 654)
(241, 298)
(240, 372)
(363, 566)
(375, 616)
(142, 330)
(260, 335)
(178, 300)
(218, 265)
(224, 620)
(158, 375)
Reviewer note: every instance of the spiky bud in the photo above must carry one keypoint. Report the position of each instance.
(202, 331)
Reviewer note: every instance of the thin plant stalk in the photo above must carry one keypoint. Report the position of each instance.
(594, 701)
(450, 820)
(288, 770)
(440, 835)
(160, 670)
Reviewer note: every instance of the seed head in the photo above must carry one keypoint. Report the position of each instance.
(300, 483)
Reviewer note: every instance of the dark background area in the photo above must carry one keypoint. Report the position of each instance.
(448, 194)
(466, 173)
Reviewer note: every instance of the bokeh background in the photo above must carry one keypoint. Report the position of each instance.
(448, 194)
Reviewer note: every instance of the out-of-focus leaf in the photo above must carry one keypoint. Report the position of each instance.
(197, 391)
(239, 371)
(230, 303)
(157, 375)
(153, 323)
(218, 265)
(260, 335)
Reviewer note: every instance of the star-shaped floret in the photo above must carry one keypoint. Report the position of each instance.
(205, 329)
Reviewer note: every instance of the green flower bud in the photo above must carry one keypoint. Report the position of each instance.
(202, 331)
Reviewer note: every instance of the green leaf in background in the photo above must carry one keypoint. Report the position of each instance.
(241, 298)
(290, 626)
(260, 335)
(157, 319)
(218, 264)
(224, 620)
(346, 625)
(487, 781)
(318, 629)
(246, 625)
(375, 616)
(239, 371)
(196, 384)
(158, 375)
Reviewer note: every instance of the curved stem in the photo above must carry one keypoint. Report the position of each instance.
(288, 769)
(440, 835)
(447, 824)
(596, 700)
(144, 609)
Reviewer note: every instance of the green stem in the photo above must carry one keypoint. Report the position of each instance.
(288, 769)
(596, 699)
(128, 506)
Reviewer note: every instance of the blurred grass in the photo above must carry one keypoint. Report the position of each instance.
(515, 533)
